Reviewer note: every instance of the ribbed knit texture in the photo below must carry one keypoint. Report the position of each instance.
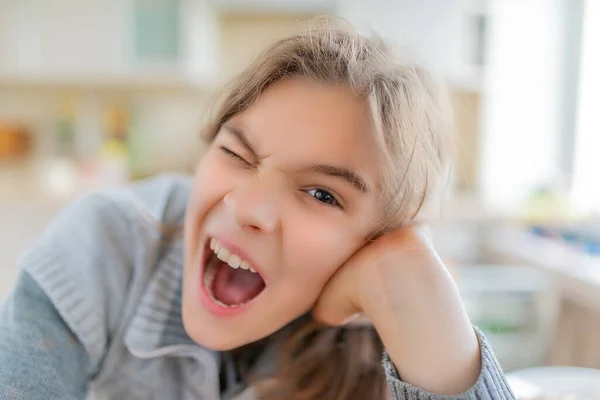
(491, 383)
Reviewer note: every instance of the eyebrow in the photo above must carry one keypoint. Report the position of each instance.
(241, 136)
(347, 174)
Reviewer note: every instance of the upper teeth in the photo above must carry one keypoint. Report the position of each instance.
(227, 256)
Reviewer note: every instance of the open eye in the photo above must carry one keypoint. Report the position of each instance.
(324, 197)
(235, 156)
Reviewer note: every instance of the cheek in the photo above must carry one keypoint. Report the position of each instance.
(319, 248)
(212, 180)
(209, 187)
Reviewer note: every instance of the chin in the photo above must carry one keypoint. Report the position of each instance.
(214, 336)
(208, 333)
(218, 342)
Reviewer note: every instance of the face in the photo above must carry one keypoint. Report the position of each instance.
(285, 194)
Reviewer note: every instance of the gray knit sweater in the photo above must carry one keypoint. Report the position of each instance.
(96, 311)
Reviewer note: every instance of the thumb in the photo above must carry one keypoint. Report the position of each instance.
(338, 302)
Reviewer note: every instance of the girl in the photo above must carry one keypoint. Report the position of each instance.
(299, 218)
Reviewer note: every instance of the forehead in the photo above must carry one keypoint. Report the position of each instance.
(300, 121)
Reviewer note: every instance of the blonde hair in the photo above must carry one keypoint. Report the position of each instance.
(412, 123)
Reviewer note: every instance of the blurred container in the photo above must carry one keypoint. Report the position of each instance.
(508, 303)
(15, 142)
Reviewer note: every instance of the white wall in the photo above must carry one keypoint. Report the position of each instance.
(431, 29)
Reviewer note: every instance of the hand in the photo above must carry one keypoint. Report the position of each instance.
(359, 284)
(400, 284)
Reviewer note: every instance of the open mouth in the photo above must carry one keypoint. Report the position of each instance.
(229, 280)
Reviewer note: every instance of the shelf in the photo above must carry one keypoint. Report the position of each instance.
(275, 6)
(578, 274)
(125, 83)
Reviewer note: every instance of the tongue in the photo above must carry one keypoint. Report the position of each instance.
(236, 286)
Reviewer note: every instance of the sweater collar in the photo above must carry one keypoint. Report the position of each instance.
(156, 328)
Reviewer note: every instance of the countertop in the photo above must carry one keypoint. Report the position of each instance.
(577, 274)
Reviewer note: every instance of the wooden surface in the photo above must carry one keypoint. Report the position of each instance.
(576, 342)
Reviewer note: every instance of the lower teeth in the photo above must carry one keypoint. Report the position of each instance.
(225, 305)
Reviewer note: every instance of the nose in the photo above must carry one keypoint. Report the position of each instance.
(254, 207)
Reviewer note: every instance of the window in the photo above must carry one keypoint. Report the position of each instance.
(586, 173)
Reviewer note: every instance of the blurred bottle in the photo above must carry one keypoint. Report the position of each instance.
(549, 202)
(113, 157)
(65, 128)
(138, 147)
(59, 172)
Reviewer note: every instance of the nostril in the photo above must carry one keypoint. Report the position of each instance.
(253, 228)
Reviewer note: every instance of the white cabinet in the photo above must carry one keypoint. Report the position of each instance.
(74, 41)
(65, 37)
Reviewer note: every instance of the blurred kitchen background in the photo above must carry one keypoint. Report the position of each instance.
(97, 93)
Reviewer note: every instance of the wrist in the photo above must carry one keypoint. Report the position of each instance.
(424, 327)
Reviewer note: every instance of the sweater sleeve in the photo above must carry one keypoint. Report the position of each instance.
(40, 357)
(56, 324)
(491, 383)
